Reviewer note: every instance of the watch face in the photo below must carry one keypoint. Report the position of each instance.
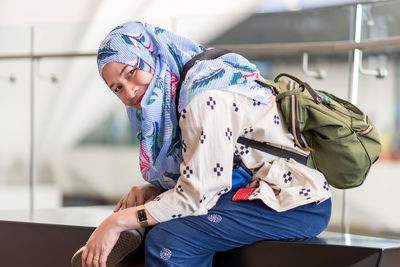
(141, 215)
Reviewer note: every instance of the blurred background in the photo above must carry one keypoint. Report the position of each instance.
(65, 139)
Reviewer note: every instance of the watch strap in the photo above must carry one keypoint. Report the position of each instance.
(141, 215)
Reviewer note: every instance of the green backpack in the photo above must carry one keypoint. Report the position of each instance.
(342, 141)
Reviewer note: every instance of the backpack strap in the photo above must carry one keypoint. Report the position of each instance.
(292, 93)
(211, 53)
(294, 122)
(273, 150)
(214, 53)
(302, 85)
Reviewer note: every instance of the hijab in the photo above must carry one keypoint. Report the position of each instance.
(163, 54)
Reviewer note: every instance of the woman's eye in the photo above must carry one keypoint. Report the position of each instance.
(131, 72)
(119, 87)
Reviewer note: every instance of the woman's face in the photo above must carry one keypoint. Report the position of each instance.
(128, 82)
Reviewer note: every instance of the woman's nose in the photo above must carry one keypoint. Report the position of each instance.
(128, 90)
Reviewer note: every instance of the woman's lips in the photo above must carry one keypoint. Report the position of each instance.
(139, 100)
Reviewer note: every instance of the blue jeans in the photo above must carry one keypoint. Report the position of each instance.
(193, 240)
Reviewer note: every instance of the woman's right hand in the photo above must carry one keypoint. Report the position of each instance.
(138, 195)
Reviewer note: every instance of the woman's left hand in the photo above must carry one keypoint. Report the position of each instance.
(100, 244)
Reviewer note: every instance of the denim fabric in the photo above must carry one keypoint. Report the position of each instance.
(193, 240)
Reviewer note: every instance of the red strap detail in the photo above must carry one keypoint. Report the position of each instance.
(243, 194)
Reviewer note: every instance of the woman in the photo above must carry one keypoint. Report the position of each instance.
(193, 200)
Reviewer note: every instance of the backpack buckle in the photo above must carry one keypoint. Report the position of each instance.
(314, 95)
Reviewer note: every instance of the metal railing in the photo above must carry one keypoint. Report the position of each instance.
(260, 49)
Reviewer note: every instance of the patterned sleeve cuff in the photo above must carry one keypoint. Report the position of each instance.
(166, 207)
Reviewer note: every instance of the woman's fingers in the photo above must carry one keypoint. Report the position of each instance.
(138, 195)
(123, 204)
(103, 260)
(92, 257)
(88, 260)
(140, 199)
(148, 193)
(96, 258)
(131, 199)
(84, 256)
(105, 251)
(118, 206)
(100, 244)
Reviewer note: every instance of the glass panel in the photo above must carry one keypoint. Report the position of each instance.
(14, 119)
(85, 146)
(336, 66)
(205, 29)
(381, 20)
(15, 40)
(324, 24)
(380, 99)
(70, 38)
(78, 37)
(15, 134)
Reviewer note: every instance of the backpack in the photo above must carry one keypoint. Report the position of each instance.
(342, 141)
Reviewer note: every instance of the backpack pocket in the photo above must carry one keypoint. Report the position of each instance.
(345, 159)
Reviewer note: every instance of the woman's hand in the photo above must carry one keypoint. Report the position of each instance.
(104, 238)
(101, 243)
(138, 195)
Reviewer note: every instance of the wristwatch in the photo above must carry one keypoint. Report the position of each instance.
(141, 215)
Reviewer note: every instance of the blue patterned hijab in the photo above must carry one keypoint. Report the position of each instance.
(164, 54)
